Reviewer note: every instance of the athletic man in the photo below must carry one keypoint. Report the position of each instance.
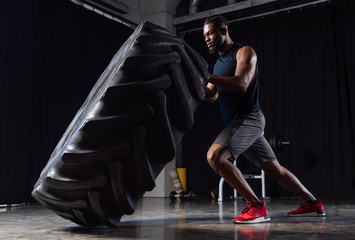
(235, 82)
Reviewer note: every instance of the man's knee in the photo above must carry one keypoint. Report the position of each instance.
(273, 169)
(213, 157)
(216, 156)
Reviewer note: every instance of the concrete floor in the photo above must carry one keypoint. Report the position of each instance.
(159, 218)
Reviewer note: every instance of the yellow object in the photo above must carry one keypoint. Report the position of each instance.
(182, 176)
(212, 194)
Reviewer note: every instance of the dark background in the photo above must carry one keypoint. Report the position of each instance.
(306, 66)
(52, 53)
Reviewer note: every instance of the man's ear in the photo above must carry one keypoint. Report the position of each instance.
(224, 30)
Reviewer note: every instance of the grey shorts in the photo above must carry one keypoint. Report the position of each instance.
(245, 135)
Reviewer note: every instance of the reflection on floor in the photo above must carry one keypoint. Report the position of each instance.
(159, 218)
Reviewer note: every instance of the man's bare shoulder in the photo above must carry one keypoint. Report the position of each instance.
(246, 52)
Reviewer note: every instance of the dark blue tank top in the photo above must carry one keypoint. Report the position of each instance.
(232, 103)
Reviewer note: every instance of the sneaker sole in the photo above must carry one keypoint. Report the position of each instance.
(257, 220)
(311, 214)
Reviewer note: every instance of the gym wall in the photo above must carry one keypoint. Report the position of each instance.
(51, 55)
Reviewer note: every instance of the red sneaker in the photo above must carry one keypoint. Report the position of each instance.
(253, 214)
(253, 231)
(308, 209)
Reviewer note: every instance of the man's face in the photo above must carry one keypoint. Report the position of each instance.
(213, 38)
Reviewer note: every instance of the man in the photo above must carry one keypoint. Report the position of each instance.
(235, 83)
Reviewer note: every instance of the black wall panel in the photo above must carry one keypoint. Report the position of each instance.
(51, 54)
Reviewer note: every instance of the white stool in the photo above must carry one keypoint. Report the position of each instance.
(246, 176)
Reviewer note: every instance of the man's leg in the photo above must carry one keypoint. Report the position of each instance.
(312, 206)
(287, 179)
(256, 211)
(217, 157)
(235, 139)
(261, 154)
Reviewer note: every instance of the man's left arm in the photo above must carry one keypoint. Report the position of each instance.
(244, 72)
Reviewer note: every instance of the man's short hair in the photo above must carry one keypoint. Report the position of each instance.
(217, 20)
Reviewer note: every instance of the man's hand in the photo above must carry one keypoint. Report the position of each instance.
(211, 93)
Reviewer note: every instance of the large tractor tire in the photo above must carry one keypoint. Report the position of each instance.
(126, 131)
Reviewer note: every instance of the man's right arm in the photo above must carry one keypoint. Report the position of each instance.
(211, 93)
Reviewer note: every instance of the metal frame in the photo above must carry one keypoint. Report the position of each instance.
(111, 12)
(246, 176)
(237, 8)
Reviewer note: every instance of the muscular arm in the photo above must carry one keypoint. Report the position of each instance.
(211, 93)
(245, 69)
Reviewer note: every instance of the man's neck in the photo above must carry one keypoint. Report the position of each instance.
(228, 44)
